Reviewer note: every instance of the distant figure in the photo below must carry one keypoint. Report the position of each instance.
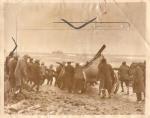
(69, 73)
(78, 78)
(29, 70)
(138, 82)
(60, 75)
(50, 75)
(106, 79)
(43, 69)
(58, 69)
(124, 76)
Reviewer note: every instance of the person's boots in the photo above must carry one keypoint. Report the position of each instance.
(122, 86)
(110, 93)
(127, 90)
(103, 93)
(139, 97)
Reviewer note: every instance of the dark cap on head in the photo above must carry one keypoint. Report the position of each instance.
(69, 62)
(103, 60)
(124, 63)
(77, 64)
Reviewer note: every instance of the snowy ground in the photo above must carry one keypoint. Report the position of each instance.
(53, 101)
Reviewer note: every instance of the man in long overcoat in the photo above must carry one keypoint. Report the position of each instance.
(69, 73)
(37, 75)
(138, 82)
(12, 65)
(78, 78)
(105, 76)
(124, 76)
(21, 72)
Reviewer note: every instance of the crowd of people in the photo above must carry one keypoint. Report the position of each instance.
(26, 70)
(134, 76)
(70, 77)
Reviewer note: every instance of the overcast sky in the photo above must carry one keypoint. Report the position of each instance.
(37, 32)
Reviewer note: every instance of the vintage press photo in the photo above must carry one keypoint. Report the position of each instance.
(66, 58)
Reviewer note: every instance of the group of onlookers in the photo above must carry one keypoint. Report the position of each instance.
(28, 70)
(133, 76)
(70, 77)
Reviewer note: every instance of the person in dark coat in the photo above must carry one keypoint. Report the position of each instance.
(78, 78)
(60, 76)
(138, 82)
(29, 70)
(58, 70)
(43, 70)
(37, 75)
(50, 75)
(21, 73)
(105, 76)
(12, 65)
(69, 73)
(124, 76)
(11, 55)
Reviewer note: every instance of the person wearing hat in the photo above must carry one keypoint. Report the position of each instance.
(21, 73)
(50, 74)
(59, 74)
(29, 70)
(138, 82)
(11, 55)
(43, 70)
(105, 77)
(69, 73)
(37, 76)
(7, 61)
(12, 65)
(78, 78)
(123, 74)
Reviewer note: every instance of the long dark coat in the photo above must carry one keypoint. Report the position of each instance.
(138, 80)
(124, 72)
(78, 78)
(11, 66)
(105, 75)
(20, 71)
(69, 74)
(36, 74)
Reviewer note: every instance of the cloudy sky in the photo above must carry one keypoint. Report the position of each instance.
(36, 31)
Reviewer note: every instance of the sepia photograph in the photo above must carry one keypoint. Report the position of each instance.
(75, 58)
